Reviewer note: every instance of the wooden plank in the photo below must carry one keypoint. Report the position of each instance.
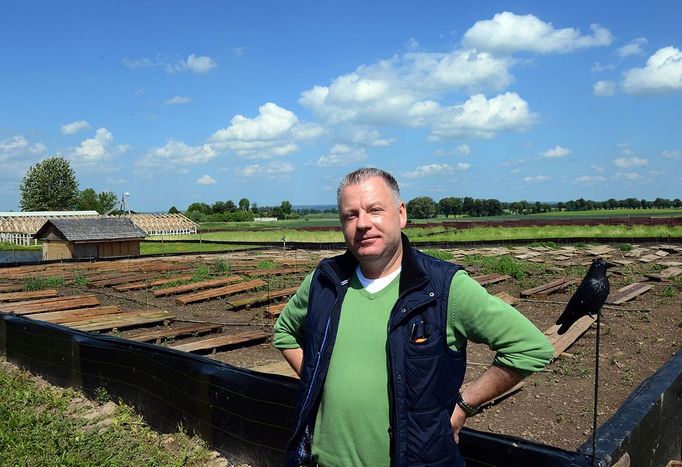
(275, 310)
(648, 258)
(11, 288)
(196, 286)
(223, 341)
(548, 288)
(562, 342)
(124, 320)
(491, 278)
(274, 272)
(602, 250)
(219, 292)
(50, 304)
(27, 295)
(74, 316)
(504, 296)
(261, 297)
(531, 254)
(148, 284)
(277, 368)
(122, 279)
(184, 330)
(628, 293)
(64, 316)
(666, 274)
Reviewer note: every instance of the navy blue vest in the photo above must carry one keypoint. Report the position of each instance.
(424, 376)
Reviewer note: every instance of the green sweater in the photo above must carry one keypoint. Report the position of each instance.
(352, 420)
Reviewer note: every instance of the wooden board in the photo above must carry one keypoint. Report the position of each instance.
(275, 272)
(184, 330)
(11, 288)
(122, 279)
(648, 258)
(628, 293)
(196, 286)
(219, 292)
(148, 284)
(223, 341)
(123, 320)
(65, 316)
(275, 310)
(562, 342)
(602, 250)
(548, 288)
(666, 274)
(50, 304)
(261, 297)
(491, 278)
(277, 368)
(507, 298)
(27, 295)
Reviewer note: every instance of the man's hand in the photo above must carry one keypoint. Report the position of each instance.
(457, 421)
(495, 381)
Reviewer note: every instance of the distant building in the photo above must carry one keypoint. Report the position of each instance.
(100, 237)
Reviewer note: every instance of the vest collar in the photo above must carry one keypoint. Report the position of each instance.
(412, 274)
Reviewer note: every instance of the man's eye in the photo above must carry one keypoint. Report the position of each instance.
(349, 217)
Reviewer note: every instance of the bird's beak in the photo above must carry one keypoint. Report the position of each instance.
(609, 264)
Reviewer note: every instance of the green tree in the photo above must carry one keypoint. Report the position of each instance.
(107, 201)
(173, 210)
(87, 200)
(422, 207)
(49, 185)
(200, 207)
(285, 207)
(244, 204)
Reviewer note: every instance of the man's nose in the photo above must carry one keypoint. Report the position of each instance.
(364, 222)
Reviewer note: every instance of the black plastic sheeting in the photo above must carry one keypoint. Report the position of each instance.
(648, 426)
(237, 411)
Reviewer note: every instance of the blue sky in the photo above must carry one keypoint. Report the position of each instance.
(176, 102)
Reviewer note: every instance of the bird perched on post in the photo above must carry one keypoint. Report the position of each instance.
(589, 297)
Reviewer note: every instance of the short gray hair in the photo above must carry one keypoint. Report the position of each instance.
(360, 175)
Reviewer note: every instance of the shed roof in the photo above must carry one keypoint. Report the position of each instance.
(88, 229)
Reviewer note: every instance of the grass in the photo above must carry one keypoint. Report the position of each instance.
(499, 265)
(440, 254)
(40, 283)
(543, 235)
(161, 247)
(38, 427)
(12, 247)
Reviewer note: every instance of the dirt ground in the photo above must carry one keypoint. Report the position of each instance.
(554, 406)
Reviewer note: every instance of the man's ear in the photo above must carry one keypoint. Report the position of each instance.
(403, 215)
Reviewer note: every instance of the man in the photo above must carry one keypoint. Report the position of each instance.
(378, 336)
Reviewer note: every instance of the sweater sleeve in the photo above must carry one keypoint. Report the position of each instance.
(477, 316)
(289, 325)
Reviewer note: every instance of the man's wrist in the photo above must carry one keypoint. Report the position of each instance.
(469, 410)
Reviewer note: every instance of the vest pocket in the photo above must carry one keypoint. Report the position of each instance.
(429, 438)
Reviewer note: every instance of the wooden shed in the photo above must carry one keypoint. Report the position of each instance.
(100, 237)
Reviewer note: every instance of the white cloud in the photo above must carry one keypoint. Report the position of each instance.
(537, 178)
(75, 127)
(176, 100)
(238, 51)
(431, 170)
(463, 149)
(200, 64)
(369, 137)
(598, 67)
(272, 133)
(634, 47)
(94, 151)
(116, 181)
(176, 154)
(597, 168)
(508, 33)
(604, 88)
(342, 155)
(206, 180)
(275, 170)
(483, 118)
(628, 176)
(556, 152)
(672, 154)
(18, 146)
(629, 162)
(662, 74)
(589, 179)
(462, 166)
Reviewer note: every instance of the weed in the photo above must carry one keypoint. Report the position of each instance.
(440, 254)
(669, 291)
(102, 395)
(80, 280)
(221, 266)
(624, 247)
(548, 244)
(499, 265)
(40, 283)
(267, 264)
(201, 273)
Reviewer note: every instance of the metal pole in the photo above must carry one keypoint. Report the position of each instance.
(596, 394)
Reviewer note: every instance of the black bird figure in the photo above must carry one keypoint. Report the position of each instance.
(589, 297)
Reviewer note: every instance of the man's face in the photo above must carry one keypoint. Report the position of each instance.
(371, 220)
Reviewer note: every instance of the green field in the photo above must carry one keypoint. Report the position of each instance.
(160, 247)
(13, 247)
